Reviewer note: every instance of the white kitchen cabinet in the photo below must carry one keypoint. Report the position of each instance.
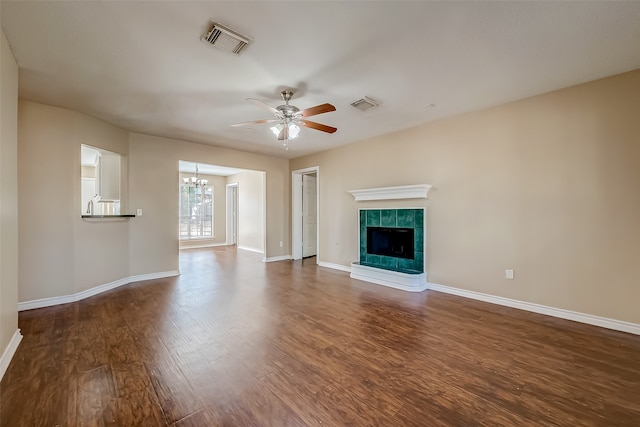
(108, 177)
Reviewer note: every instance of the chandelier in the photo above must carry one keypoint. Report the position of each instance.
(195, 181)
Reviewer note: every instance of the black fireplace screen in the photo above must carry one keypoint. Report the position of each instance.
(393, 242)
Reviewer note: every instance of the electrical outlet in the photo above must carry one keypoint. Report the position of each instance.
(281, 244)
(508, 274)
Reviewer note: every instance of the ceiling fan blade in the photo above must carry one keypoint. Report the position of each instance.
(262, 104)
(318, 109)
(255, 122)
(317, 126)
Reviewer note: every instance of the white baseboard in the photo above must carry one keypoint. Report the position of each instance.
(276, 258)
(248, 248)
(8, 353)
(204, 245)
(334, 266)
(46, 302)
(65, 299)
(604, 322)
(153, 276)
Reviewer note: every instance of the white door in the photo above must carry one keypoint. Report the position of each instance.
(309, 216)
(232, 214)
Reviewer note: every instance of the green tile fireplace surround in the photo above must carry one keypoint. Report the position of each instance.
(390, 219)
(392, 263)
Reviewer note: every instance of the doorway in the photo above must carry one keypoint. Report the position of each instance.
(309, 215)
(305, 218)
(235, 212)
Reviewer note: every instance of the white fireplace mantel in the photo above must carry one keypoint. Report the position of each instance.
(417, 191)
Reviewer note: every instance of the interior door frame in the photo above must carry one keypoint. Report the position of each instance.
(296, 211)
(232, 205)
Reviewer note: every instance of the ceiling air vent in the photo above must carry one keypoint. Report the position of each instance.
(365, 103)
(225, 38)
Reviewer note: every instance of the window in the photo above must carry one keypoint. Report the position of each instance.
(196, 212)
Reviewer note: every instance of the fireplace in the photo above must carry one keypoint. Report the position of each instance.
(394, 242)
(392, 239)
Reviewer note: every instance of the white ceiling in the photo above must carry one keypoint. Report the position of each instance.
(141, 65)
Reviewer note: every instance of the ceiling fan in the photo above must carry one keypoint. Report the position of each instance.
(289, 118)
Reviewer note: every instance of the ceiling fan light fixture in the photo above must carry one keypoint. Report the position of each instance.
(289, 118)
(276, 129)
(293, 130)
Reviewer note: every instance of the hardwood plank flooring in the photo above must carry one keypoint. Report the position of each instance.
(236, 342)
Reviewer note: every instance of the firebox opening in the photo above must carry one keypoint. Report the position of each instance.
(393, 242)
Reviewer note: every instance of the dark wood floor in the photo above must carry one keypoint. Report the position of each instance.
(236, 342)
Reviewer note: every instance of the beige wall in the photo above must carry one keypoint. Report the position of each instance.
(153, 172)
(250, 209)
(547, 186)
(219, 211)
(60, 253)
(73, 254)
(9, 195)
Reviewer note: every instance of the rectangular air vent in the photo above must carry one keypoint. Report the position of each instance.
(365, 103)
(226, 39)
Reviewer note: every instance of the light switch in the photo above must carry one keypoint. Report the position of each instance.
(139, 212)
